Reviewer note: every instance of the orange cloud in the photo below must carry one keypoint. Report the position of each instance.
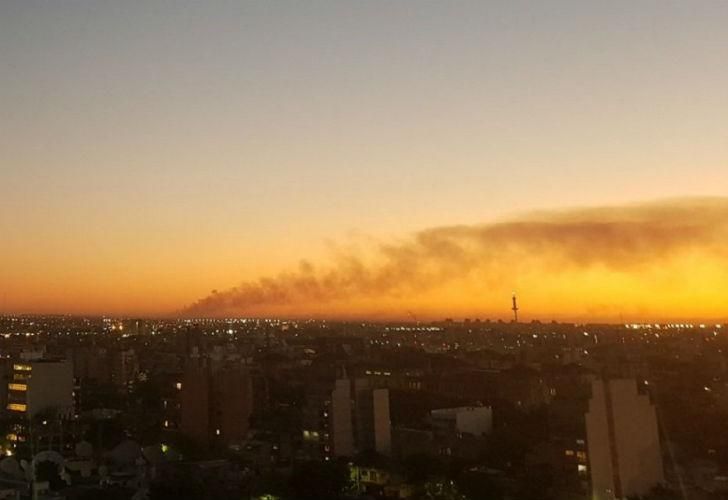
(660, 260)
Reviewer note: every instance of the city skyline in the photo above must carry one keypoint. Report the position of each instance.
(364, 249)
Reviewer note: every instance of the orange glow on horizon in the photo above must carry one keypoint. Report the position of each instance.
(378, 161)
(640, 262)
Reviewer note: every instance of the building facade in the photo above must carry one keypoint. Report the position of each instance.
(215, 404)
(41, 385)
(474, 420)
(623, 442)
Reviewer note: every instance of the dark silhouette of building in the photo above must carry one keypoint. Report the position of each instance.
(215, 404)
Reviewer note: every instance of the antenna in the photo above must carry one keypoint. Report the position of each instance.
(414, 318)
(515, 308)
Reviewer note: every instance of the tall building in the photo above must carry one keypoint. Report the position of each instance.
(39, 388)
(623, 441)
(41, 385)
(125, 369)
(6, 376)
(341, 419)
(215, 404)
(373, 426)
(382, 422)
(340, 422)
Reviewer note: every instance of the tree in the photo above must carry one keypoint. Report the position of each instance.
(271, 484)
(442, 489)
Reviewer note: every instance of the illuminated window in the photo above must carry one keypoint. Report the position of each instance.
(17, 387)
(17, 407)
(569, 453)
(22, 368)
(310, 435)
(12, 437)
(178, 385)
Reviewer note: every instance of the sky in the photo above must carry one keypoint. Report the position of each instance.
(151, 152)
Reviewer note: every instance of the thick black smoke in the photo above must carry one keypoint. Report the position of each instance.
(618, 238)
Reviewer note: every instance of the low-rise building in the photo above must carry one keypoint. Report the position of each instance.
(474, 420)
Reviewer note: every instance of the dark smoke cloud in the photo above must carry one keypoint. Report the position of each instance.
(619, 239)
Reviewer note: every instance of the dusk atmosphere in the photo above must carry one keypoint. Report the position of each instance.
(434, 250)
(153, 152)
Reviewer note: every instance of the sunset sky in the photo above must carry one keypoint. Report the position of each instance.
(367, 159)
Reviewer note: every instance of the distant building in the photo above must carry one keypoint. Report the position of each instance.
(6, 376)
(125, 369)
(520, 385)
(412, 441)
(136, 326)
(171, 399)
(41, 385)
(92, 364)
(474, 420)
(373, 425)
(623, 441)
(215, 405)
(379, 482)
(39, 388)
(339, 421)
(382, 422)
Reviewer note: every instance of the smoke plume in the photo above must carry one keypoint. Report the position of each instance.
(622, 240)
